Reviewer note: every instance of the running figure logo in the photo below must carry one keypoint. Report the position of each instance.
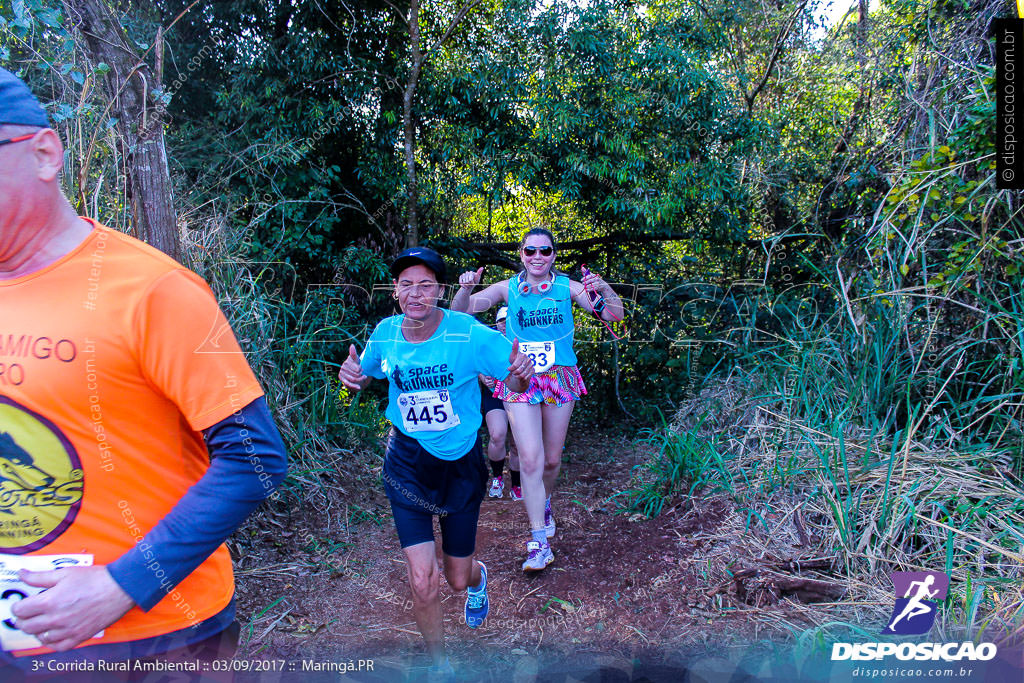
(917, 598)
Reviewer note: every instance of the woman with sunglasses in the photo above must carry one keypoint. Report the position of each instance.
(540, 317)
(433, 464)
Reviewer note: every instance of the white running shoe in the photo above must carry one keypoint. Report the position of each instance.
(497, 487)
(540, 556)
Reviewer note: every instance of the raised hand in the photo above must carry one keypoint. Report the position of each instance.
(592, 282)
(351, 371)
(471, 279)
(519, 364)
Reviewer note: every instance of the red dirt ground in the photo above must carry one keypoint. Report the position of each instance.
(622, 590)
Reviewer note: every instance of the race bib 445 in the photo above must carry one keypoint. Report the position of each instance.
(427, 411)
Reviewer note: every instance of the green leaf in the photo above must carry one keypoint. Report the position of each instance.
(49, 17)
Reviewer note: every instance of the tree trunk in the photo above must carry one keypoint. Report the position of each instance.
(412, 236)
(130, 84)
(418, 53)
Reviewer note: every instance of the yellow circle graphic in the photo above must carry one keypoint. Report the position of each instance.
(41, 480)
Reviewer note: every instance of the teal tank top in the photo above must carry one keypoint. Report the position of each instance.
(535, 318)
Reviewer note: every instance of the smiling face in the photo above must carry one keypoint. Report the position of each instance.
(418, 291)
(537, 265)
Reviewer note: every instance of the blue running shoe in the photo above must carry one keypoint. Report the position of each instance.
(476, 600)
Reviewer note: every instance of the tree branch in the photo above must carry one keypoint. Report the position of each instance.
(615, 238)
(776, 52)
(459, 16)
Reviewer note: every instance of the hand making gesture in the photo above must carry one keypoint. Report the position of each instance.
(351, 371)
(471, 279)
(520, 369)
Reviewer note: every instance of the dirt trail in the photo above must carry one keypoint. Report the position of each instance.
(621, 588)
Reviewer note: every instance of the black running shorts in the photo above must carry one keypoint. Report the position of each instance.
(420, 485)
(490, 403)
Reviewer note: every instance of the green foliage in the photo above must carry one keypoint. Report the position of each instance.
(822, 210)
(684, 462)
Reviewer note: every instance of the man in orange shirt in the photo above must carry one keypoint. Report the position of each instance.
(134, 437)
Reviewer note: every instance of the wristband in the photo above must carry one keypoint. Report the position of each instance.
(599, 305)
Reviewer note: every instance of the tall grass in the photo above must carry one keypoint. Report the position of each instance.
(893, 459)
(294, 339)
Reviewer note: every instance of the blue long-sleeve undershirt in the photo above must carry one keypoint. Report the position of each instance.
(247, 462)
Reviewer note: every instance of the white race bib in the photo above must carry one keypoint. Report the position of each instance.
(13, 589)
(427, 411)
(541, 353)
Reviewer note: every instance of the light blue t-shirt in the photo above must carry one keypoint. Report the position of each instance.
(433, 393)
(543, 317)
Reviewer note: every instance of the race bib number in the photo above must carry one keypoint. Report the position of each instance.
(427, 411)
(13, 589)
(541, 353)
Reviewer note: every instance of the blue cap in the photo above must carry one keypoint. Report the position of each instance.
(18, 106)
(419, 255)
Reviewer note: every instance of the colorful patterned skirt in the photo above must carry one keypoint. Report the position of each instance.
(560, 384)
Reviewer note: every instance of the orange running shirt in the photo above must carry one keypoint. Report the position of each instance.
(112, 361)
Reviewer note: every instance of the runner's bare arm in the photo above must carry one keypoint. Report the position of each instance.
(613, 310)
(467, 302)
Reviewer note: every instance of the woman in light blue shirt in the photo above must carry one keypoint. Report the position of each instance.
(540, 317)
(433, 464)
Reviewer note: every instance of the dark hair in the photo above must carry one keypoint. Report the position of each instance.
(538, 231)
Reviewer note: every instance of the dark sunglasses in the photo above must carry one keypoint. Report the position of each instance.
(544, 251)
(20, 138)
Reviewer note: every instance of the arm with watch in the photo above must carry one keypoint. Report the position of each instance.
(596, 296)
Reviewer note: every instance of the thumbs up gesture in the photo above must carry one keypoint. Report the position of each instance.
(520, 369)
(471, 279)
(351, 371)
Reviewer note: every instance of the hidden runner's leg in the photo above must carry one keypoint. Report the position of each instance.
(497, 430)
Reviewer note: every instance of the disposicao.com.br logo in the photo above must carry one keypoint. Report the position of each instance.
(917, 598)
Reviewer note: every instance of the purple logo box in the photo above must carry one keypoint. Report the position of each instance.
(917, 598)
